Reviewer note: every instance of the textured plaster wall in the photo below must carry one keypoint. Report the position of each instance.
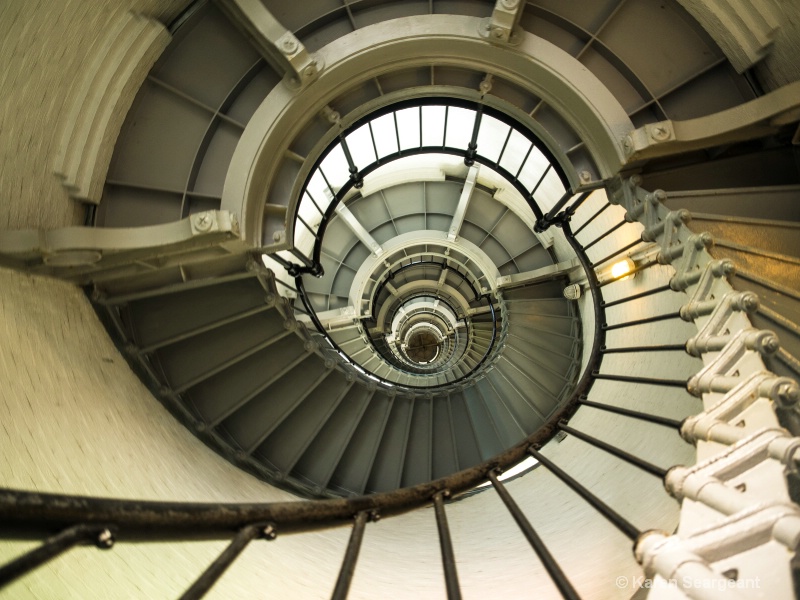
(781, 65)
(45, 45)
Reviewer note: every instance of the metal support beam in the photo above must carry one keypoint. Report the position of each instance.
(358, 229)
(442, 278)
(463, 204)
(755, 119)
(337, 318)
(277, 45)
(537, 275)
(93, 254)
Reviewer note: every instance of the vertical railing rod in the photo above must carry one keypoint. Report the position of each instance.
(215, 570)
(358, 182)
(505, 143)
(290, 267)
(653, 319)
(560, 204)
(549, 563)
(660, 348)
(616, 253)
(572, 208)
(448, 558)
(614, 517)
(100, 535)
(314, 202)
(472, 147)
(649, 380)
(655, 290)
(524, 160)
(374, 144)
(307, 226)
(301, 257)
(666, 421)
(286, 285)
(605, 235)
(350, 557)
(592, 218)
(397, 133)
(444, 130)
(619, 453)
(539, 182)
(328, 184)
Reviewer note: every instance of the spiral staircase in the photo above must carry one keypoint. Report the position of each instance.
(378, 284)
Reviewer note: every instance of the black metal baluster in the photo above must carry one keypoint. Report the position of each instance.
(215, 570)
(545, 221)
(358, 181)
(626, 456)
(604, 235)
(655, 290)
(592, 218)
(664, 317)
(448, 558)
(659, 348)
(302, 257)
(290, 267)
(100, 535)
(561, 581)
(651, 380)
(618, 520)
(666, 421)
(472, 147)
(307, 226)
(597, 263)
(350, 557)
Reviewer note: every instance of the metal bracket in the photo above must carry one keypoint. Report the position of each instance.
(275, 43)
(89, 254)
(712, 336)
(721, 375)
(684, 560)
(714, 423)
(501, 27)
(716, 269)
(758, 118)
(732, 462)
(644, 208)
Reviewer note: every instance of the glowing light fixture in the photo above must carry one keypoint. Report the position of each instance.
(621, 268)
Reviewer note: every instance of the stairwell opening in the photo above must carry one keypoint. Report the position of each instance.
(363, 223)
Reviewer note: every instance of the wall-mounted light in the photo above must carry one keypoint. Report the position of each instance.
(572, 291)
(618, 271)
